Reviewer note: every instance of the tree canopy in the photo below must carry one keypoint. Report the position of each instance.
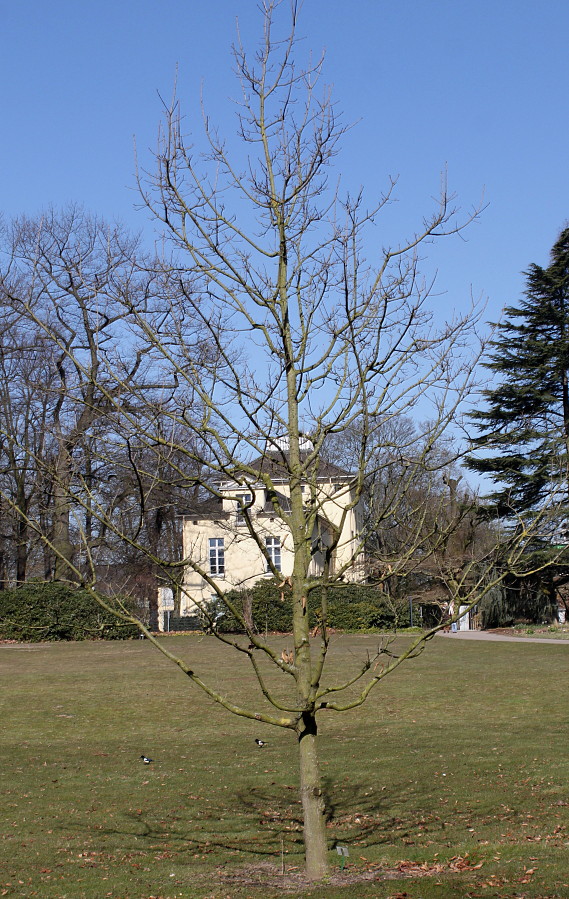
(524, 426)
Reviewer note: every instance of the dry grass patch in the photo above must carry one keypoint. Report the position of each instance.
(462, 755)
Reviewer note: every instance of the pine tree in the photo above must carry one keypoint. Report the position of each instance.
(525, 424)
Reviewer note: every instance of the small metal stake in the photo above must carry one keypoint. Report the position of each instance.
(282, 856)
(343, 852)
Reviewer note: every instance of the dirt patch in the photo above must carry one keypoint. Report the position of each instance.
(268, 876)
(265, 875)
(554, 632)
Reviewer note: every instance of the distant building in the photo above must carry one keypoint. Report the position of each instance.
(217, 537)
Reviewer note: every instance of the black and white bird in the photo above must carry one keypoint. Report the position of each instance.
(261, 742)
(145, 759)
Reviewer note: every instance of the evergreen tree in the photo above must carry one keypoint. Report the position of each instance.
(525, 424)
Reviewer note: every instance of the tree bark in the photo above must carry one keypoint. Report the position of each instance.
(61, 538)
(316, 852)
(315, 843)
(22, 548)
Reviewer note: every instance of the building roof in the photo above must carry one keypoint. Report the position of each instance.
(207, 508)
(283, 501)
(274, 465)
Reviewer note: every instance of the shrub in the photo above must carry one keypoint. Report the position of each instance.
(38, 612)
(350, 607)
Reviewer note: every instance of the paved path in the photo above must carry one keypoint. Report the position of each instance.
(487, 635)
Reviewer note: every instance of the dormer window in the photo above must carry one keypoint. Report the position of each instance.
(243, 501)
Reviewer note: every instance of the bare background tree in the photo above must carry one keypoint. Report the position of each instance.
(425, 520)
(71, 366)
(26, 373)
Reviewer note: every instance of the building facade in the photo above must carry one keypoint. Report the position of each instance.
(241, 535)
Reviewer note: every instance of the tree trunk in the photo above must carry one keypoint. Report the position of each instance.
(248, 610)
(315, 844)
(22, 546)
(60, 533)
(315, 847)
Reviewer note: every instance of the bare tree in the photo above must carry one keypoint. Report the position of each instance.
(26, 372)
(64, 275)
(426, 521)
(273, 334)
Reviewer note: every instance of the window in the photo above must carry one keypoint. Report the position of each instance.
(273, 552)
(216, 556)
(244, 500)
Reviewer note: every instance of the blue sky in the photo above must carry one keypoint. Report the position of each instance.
(476, 88)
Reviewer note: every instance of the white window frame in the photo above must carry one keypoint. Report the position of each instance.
(273, 547)
(216, 556)
(244, 500)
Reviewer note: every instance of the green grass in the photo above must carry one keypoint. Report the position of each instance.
(463, 752)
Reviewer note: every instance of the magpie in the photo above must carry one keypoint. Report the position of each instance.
(261, 742)
(145, 759)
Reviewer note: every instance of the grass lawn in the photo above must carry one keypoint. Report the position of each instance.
(455, 773)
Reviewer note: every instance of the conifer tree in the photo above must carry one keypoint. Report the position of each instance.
(524, 428)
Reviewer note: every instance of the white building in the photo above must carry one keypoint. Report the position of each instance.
(241, 535)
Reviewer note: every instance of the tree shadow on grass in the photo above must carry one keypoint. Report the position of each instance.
(355, 814)
(265, 820)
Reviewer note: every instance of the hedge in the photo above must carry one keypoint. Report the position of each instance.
(350, 607)
(38, 612)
